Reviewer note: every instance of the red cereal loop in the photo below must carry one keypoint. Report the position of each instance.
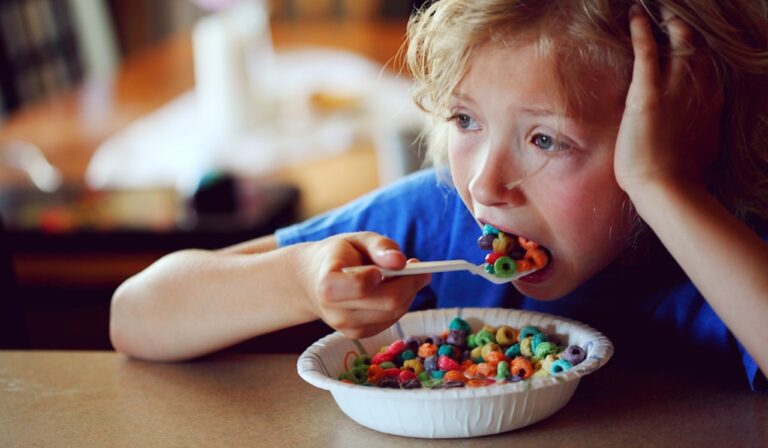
(397, 347)
(445, 363)
(394, 371)
(379, 358)
(406, 375)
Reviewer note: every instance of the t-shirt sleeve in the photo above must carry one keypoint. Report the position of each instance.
(398, 211)
(755, 376)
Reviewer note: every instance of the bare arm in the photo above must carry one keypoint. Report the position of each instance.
(194, 302)
(665, 146)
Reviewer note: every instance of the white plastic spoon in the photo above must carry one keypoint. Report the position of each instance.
(425, 267)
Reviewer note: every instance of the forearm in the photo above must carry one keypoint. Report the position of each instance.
(725, 259)
(194, 302)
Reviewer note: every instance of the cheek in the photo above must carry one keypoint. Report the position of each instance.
(590, 215)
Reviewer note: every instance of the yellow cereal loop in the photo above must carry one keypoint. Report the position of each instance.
(476, 352)
(506, 335)
(525, 347)
(489, 347)
(415, 365)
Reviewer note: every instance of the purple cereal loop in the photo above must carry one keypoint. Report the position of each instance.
(574, 354)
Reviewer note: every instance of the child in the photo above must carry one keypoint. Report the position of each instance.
(595, 128)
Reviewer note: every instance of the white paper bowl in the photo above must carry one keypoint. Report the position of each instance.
(455, 412)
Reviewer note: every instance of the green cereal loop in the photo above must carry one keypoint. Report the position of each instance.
(471, 343)
(484, 336)
(387, 365)
(505, 335)
(431, 383)
(504, 266)
(459, 324)
(408, 354)
(362, 360)
(358, 374)
(502, 370)
(528, 330)
(525, 347)
(423, 376)
(545, 348)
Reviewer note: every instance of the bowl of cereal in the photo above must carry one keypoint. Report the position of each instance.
(457, 372)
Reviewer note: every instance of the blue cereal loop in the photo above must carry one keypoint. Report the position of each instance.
(560, 365)
(528, 330)
(489, 229)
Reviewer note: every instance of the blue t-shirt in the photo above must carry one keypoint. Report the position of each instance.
(650, 310)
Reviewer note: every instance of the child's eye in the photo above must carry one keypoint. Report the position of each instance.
(465, 122)
(549, 144)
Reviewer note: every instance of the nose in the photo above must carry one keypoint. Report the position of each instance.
(495, 169)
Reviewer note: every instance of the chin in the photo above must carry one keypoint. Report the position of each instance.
(541, 291)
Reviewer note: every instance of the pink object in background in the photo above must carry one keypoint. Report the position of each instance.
(214, 5)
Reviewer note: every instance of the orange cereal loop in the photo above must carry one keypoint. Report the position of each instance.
(527, 244)
(455, 375)
(523, 265)
(521, 367)
(466, 363)
(480, 382)
(426, 350)
(537, 257)
(485, 369)
(489, 347)
(493, 358)
(375, 374)
(471, 371)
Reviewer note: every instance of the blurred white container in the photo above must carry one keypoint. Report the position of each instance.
(231, 48)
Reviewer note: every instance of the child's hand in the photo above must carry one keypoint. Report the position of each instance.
(670, 129)
(359, 304)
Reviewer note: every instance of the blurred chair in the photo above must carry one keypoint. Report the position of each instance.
(49, 45)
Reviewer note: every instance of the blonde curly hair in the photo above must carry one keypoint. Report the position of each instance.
(584, 34)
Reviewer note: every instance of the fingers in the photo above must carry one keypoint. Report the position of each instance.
(681, 41)
(381, 250)
(645, 72)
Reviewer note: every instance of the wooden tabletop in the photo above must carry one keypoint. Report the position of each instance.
(102, 399)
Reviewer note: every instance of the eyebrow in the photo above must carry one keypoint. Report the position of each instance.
(534, 111)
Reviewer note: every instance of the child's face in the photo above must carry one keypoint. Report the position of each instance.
(504, 122)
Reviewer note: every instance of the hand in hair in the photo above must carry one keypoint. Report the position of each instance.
(670, 129)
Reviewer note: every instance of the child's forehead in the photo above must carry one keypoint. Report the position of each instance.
(575, 87)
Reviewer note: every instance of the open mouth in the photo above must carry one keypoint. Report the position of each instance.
(512, 254)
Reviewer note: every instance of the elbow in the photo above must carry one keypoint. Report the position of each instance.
(124, 322)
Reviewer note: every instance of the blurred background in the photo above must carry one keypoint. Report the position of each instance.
(133, 128)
